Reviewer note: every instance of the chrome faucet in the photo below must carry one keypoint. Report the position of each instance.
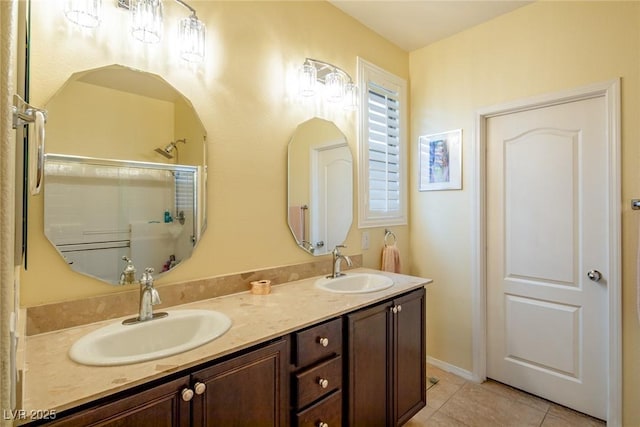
(337, 260)
(148, 298)
(128, 275)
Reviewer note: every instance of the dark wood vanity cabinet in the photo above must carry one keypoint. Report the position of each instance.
(317, 375)
(160, 405)
(248, 390)
(364, 368)
(387, 362)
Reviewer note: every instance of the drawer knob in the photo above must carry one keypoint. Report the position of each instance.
(200, 388)
(322, 424)
(323, 382)
(323, 341)
(187, 394)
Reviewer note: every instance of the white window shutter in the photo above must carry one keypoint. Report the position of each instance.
(382, 146)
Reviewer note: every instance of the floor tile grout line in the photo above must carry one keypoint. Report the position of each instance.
(448, 399)
(523, 402)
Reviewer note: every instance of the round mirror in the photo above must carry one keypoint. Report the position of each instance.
(320, 186)
(125, 174)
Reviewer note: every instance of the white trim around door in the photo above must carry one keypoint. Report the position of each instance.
(610, 90)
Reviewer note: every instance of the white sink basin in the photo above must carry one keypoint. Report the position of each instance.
(355, 283)
(118, 344)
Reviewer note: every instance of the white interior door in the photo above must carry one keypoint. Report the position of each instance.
(332, 193)
(547, 228)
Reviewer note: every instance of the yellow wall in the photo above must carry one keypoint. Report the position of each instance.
(88, 120)
(244, 95)
(540, 48)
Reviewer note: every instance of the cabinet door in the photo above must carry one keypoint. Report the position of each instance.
(409, 356)
(159, 406)
(369, 368)
(248, 390)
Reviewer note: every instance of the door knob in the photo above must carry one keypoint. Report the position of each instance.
(594, 275)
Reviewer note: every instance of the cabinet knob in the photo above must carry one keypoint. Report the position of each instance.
(322, 424)
(200, 388)
(187, 394)
(394, 309)
(323, 341)
(399, 308)
(323, 382)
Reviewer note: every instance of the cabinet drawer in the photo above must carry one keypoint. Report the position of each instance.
(327, 411)
(318, 342)
(315, 382)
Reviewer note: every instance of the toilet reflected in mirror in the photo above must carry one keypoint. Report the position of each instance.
(320, 186)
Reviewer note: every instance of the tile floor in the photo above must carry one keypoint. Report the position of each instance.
(456, 402)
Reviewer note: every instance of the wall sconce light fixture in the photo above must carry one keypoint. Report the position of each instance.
(338, 85)
(85, 13)
(192, 34)
(146, 23)
(146, 20)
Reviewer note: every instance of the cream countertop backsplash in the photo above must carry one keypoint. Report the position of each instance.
(51, 379)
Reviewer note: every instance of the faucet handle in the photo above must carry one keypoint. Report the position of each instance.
(147, 279)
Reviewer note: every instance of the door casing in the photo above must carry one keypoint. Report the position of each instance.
(610, 90)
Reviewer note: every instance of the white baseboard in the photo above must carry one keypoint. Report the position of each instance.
(447, 367)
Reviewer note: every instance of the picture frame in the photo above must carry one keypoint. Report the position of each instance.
(440, 157)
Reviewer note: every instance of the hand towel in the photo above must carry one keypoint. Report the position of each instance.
(391, 259)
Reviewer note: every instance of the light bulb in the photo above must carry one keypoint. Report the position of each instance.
(334, 87)
(146, 20)
(350, 96)
(86, 13)
(192, 35)
(307, 77)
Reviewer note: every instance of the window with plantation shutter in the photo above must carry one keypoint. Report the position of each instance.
(382, 147)
(185, 193)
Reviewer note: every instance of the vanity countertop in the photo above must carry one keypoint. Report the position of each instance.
(52, 381)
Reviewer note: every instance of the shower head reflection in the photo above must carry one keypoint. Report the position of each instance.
(168, 149)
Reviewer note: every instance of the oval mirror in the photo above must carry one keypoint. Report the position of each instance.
(125, 173)
(320, 186)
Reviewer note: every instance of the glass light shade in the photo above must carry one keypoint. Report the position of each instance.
(86, 13)
(350, 96)
(192, 34)
(334, 87)
(146, 20)
(307, 77)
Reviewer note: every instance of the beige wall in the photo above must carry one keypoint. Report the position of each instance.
(541, 48)
(88, 120)
(245, 97)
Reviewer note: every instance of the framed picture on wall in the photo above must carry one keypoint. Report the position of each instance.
(441, 161)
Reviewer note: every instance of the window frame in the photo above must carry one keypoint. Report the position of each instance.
(367, 218)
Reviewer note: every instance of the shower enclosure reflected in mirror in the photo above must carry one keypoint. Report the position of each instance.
(125, 173)
(320, 186)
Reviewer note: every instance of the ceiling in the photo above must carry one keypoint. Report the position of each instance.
(414, 24)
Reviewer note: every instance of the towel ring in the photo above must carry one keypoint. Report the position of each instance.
(387, 234)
